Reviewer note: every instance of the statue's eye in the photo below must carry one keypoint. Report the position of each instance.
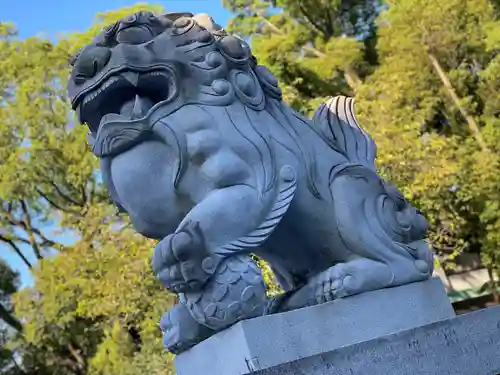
(134, 35)
(130, 19)
(90, 62)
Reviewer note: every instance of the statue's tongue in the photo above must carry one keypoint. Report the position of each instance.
(131, 110)
(119, 131)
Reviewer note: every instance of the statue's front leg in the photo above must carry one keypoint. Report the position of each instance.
(181, 331)
(183, 262)
(207, 260)
(234, 292)
(219, 285)
(186, 259)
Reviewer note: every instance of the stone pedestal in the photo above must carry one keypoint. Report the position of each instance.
(410, 329)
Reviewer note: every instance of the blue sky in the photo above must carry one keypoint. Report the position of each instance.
(52, 17)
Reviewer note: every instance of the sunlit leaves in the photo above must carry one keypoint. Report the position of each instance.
(99, 288)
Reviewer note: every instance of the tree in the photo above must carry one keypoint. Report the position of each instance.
(425, 76)
(101, 303)
(95, 306)
(436, 100)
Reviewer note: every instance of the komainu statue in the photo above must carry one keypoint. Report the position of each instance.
(198, 148)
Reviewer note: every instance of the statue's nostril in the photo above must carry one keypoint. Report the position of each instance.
(90, 62)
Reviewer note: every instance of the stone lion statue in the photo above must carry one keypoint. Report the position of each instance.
(198, 148)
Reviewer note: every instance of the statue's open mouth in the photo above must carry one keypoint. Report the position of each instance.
(124, 96)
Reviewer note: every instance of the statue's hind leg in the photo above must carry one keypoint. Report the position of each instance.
(363, 274)
(382, 231)
(359, 275)
(383, 235)
(234, 292)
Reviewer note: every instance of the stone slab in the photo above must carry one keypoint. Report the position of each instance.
(465, 345)
(269, 341)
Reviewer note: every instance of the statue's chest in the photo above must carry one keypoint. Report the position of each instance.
(143, 180)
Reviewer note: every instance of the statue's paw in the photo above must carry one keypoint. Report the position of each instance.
(424, 257)
(182, 262)
(350, 278)
(329, 284)
(180, 331)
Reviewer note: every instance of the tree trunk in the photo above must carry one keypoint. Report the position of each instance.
(471, 122)
(77, 356)
(494, 286)
(352, 78)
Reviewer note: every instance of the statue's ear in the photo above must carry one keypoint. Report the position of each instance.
(207, 22)
(73, 58)
(175, 15)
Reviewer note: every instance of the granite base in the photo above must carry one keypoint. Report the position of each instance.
(465, 345)
(402, 322)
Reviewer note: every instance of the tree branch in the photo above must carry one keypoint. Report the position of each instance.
(10, 319)
(63, 195)
(17, 250)
(310, 19)
(29, 230)
(36, 238)
(55, 205)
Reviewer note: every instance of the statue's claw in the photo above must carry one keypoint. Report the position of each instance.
(350, 278)
(180, 331)
(182, 262)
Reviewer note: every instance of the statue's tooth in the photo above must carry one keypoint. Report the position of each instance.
(138, 109)
(110, 81)
(132, 77)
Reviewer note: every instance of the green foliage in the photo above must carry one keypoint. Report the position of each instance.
(427, 145)
(116, 346)
(314, 47)
(425, 75)
(9, 284)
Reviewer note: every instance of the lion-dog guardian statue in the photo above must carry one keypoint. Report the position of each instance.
(198, 148)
